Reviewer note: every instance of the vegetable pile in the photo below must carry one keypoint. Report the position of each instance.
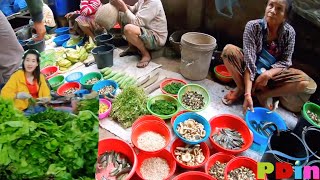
(129, 105)
(173, 88)
(48, 145)
(163, 107)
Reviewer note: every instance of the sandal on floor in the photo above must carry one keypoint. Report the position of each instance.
(230, 98)
(128, 53)
(144, 64)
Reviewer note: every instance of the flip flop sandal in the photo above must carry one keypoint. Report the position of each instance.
(144, 65)
(229, 97)
(129, 53)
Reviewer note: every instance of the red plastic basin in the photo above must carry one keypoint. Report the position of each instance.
(221, 157)
(193, 175)
(118, 145)
(63, 88)
(50, 71)
(164, 154)
(179, 143)
(232, 122)
(147, 118)
(241, 161)
(153, 126)
(169, 81)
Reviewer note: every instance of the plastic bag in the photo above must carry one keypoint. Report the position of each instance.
(19, 5)
(226, 4)
(6, 6)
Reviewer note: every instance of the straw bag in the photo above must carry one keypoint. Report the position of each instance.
(107, 16)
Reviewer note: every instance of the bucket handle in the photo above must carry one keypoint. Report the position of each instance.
(303, 134)
(270, 124)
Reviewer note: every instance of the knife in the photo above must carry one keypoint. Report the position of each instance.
(144, 79)
(154, 86)
(152, 79)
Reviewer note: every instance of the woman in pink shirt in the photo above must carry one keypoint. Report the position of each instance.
(82, 21)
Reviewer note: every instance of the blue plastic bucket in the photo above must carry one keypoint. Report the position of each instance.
(259, 115)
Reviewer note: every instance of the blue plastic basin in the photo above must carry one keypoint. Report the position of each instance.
(61, 31)
(61, 39)
(99, 85)
(200, 119)
(260, 114)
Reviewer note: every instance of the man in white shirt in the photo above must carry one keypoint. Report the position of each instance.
(145, 27)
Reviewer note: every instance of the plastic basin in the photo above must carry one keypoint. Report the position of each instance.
(241, 161)
(164, 154)
(200, 119)
(232, 122)
(56, 81)
(222, 73)
(313, 108)
(74, 77)
(173, 118)
(260, 114)
(156, 127)
(169, 81)
(117, 145)
(162, 97)
(65, 44)
(179, 143)
(147, 118)
(61, 31)
(38, 45)
(101, 84)
(193, 175)
(61, 39)
(106, 113)
(199, 89)
(89, 76)
(221, 157)
(50, 71)
(65, 87)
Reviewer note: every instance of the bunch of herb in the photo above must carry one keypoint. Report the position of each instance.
(163, 107)
(58, 117)
(44, 149)
(129, 105)
(173, 88)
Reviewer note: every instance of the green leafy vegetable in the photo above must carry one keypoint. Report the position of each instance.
(89, 104)
(173, 88)
(49, 145)
(163, 107)
(129, 105)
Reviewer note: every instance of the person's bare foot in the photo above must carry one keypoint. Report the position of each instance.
(130, 51)
(144, 62)
(265, 101)
(232, 96)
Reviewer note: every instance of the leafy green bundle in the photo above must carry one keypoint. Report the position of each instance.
(163, 107)
(48, 145)
(173, 88)
(129, 105)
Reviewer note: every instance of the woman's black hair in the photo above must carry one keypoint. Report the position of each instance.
(36, 73)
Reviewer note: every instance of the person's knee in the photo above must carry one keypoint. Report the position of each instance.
(302, 85)
(130, 29)
(227, 51)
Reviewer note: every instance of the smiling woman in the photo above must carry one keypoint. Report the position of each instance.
(28, 85)
(262, 67)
